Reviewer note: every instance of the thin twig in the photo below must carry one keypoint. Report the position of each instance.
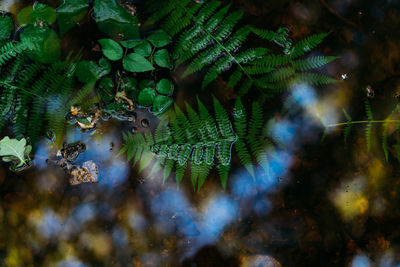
(345, 20)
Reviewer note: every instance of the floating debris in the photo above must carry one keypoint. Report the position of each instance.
(86, 121)
(71, 151)
(370, 91)
(88, 173)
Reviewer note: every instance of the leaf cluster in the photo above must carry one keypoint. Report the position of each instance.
(210, 38)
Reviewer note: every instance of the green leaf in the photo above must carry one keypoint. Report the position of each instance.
(114, 20)
(142, 47)
(135, 62)
(12, 149)
(45, 44)
(159, 38)
(6, 26)
(106, 89)
(85, 121)
(161, 104)
(89, 71)
(146, 97)
(111, 49)
(69, 13)
(165, 87)
(161, 57)
(37, 12)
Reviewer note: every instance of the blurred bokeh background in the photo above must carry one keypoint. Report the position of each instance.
(329, 203)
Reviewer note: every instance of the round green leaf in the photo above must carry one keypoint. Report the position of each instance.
(161, 104)
(111, 49)
(6, 26)
(37, 12)
(106, 89)
(45, 44)
(161, 57)
(159, 38)
(70, 12)
(135, 62)
(165, 87)
(146, 97)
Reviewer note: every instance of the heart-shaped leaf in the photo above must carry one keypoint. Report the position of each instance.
(146, 97)
(143, 48)
(161, 57)
(135, 62)
(165, 87)
(111, 49)
(159, 38)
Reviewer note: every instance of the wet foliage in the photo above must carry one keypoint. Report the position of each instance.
(262, 133)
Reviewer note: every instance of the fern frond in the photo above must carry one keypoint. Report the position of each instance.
(313, 62)
(385, 145)
(307, 44)
(368, 128)
(240, 124)
(197, 141)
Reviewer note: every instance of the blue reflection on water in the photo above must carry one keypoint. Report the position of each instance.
(50, 224)
(83, 212)
(219, 212)
(361, 260)
(173, 210)
(119, 236)
(302, 95)
(71, 262)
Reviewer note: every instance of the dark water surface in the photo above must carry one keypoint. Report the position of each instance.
(331, 204)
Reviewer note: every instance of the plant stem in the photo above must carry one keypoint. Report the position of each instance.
(361, 122)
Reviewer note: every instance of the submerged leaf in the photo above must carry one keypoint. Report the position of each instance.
(89, 71)
(114, 20)
(70, 12)
(37, 13)
(45, 44)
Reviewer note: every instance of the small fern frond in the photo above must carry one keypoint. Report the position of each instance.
(307, 44)
(368, 128)
(312, 62)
